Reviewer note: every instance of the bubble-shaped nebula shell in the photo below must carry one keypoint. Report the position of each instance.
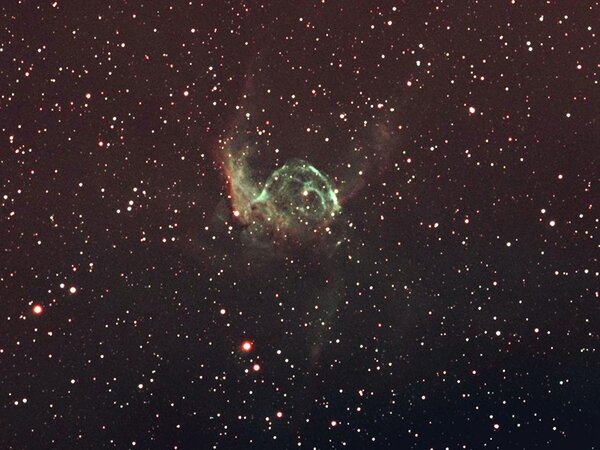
(297, 198)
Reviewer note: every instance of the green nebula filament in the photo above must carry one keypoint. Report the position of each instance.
(297, 198)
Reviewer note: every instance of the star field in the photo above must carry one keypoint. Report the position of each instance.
(452, 302)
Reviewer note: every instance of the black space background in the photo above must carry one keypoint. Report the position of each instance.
(416, 310)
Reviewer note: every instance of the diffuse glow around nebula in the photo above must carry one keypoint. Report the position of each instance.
(280, 175)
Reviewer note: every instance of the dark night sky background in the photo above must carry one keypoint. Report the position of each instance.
(460, 306)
